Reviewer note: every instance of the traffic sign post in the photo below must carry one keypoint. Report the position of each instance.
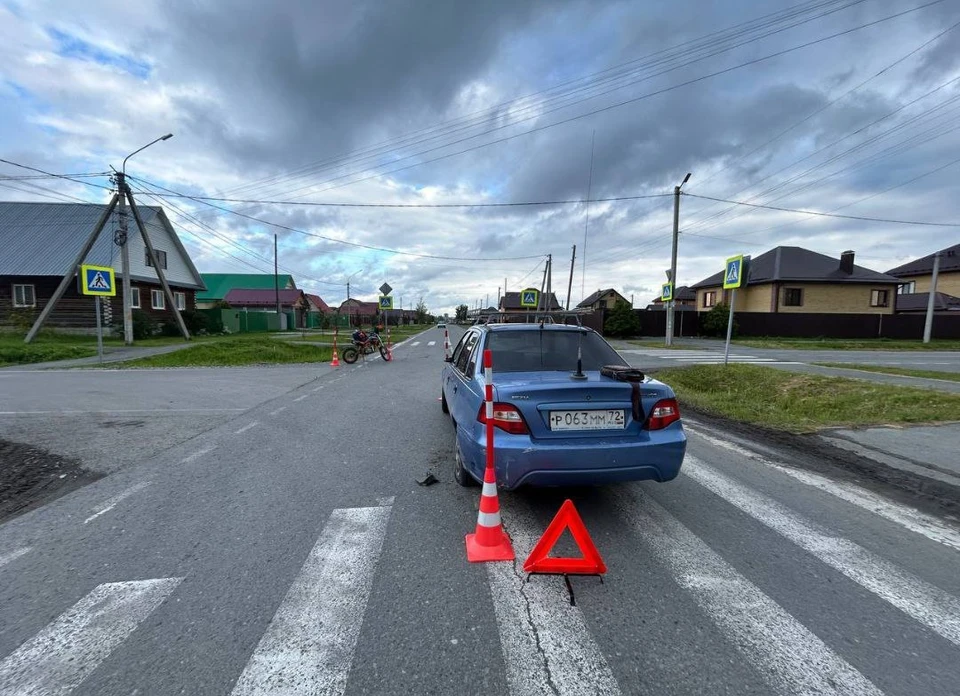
(529, 297)
(99, 282)
(734, 276)
(666, 292)
(386, 302)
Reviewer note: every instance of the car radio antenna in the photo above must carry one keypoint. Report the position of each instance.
(579, 373)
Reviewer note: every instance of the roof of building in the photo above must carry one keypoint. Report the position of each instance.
(917, 302)
(318, 302)
(511, 301)
(594, 297)
(219, 284)
(43, 239)
(949, 262)
(681, 294)
(248, 297)
(355, 306)
(799, 265)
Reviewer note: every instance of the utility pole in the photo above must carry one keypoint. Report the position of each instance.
(543, 284)
(548, 303)
(673, 257)
(931, 300)
(120, 239)
(573, 260)
(276, 275)
(586, 222)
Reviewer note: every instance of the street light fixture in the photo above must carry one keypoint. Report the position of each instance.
(348, 282)
(673, 257)
(120, 239)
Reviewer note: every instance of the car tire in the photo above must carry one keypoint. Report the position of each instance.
(443, 402)
(460, 473)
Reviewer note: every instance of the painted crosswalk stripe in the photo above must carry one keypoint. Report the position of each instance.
(415, 343)
(931, 606)
(431, 343)
(547, 647)
(308, 646)
(794, 660)
(64, 653)
(111, 503)
(13, 555)
(903, 515)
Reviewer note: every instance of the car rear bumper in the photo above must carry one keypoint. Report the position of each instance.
(579, 462)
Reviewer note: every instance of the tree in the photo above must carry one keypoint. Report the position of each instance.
(421, 312)
(623, 322)
(714, 322)
(462, 313)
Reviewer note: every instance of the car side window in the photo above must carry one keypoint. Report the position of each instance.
(459, 349)
(463, 360)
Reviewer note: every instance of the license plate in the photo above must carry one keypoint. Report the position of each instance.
(608, 419)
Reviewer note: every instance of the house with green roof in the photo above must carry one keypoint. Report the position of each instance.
(219, 284)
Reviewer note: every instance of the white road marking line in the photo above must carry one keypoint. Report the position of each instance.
(386, 502)
(64, 653)
(415, 343)
(308, 646)
(197, 455)
(907, 517)
(316, 389)
(931, 606)
(13, 555)
(301, 398)
(794, 659)
(111, 503)
(431, 343)
(547, 647)
(279, 410)
(246, 427)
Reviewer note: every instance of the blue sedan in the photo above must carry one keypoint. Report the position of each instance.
(568, 410)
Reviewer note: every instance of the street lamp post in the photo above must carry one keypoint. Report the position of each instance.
(673, 257)
(120, 239)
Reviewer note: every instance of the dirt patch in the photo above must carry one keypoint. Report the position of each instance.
(31, 477)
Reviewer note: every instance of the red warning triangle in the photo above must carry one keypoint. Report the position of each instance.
(567, 518)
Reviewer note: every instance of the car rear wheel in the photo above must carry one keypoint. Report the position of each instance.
(460, 474)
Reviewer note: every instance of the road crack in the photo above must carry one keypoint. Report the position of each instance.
(518, 572)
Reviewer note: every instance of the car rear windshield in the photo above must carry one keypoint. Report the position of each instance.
(542, 349)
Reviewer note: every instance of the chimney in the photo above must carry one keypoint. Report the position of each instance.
(846, 262)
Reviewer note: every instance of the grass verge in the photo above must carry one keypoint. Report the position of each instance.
(847, 344)
(44, 348)
(905, 371)
(237, 351)
(801, 402)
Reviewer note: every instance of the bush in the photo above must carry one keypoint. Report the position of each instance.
(623, 322)
(714, 322)
(144, 326)
(22, 319)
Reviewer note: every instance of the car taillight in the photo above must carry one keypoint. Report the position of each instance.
(507, 417)
(665, 412)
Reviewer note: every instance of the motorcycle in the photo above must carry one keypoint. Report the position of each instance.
(359, 349)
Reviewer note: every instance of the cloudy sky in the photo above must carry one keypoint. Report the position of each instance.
(829, 105)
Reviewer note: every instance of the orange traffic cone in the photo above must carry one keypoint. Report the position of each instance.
(489, 542)
(336, 360)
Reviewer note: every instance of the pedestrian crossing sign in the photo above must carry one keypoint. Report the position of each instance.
(97, 280)
(733, 273)
(386, 301)
(666, 292)
(529, 298)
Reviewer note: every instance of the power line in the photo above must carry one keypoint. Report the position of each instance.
(414, 205)
(332, 239)
(55, 176)
(602, 109)
(820, 214)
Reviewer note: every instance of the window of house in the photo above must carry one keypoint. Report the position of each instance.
(181, 299)
(879, 298)
(907, 288)
(793, 297)
(135, 298)
(24, 296)
(710, 298)
(161, 256)
(157, 300)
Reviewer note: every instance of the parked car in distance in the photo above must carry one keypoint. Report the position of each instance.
(441, 324)
(553, 424)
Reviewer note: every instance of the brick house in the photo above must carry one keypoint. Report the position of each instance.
(40, 240)
(360, 312)
(917, 276)
(510, 302)
(684, 299)
(603, 299)
(796, 280)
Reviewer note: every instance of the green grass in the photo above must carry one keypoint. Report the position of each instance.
(45, 347)
(249, 349)
(905, 371)
(802, 402)
(847, 344)
(659, 343)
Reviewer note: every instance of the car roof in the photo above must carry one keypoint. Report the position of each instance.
(533, 327)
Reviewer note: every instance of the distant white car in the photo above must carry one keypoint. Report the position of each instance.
(441, 325)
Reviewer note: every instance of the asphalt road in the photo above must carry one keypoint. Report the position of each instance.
(288, 549)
